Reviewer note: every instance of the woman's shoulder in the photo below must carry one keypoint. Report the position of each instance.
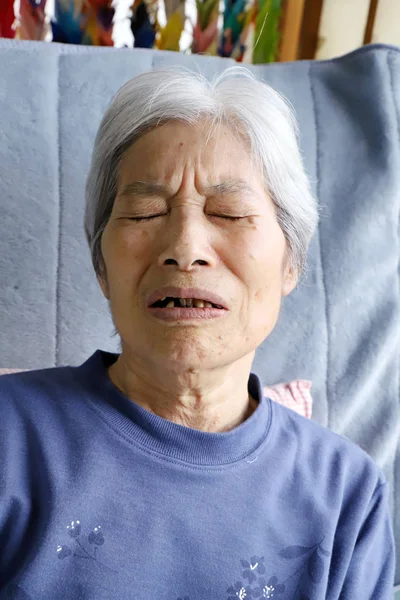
(11, 379)
(31, 393)
(322, 448)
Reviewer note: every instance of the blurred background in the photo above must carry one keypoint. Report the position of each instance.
(251, 31)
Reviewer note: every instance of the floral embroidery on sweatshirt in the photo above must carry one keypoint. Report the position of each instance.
(255, 582)
(80, 549)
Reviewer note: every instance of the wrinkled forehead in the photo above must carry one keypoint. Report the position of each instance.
(216, 151)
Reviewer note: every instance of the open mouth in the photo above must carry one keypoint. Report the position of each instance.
(170, 302)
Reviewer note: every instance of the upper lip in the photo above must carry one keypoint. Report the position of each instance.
(176, 292)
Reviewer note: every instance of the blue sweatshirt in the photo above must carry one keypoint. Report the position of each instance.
(101, 499)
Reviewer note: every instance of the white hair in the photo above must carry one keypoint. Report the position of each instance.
(252, 108)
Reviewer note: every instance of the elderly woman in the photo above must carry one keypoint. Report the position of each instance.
(162, 472)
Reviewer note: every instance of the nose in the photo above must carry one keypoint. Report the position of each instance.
(186, 240)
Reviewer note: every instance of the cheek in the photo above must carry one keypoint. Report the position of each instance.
(134, 244)
(261, 255)
(261, 272)
(126, 253)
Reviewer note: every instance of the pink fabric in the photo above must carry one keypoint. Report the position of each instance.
(294, 395)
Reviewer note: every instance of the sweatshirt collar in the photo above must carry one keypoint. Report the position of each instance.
(172, 440)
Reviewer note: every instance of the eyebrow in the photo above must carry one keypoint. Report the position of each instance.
(231, 187)
(143, 188)
(149, 188)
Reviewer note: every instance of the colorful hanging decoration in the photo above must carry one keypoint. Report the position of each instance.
(246, 39)
(168, 37)
(7, 18)
(205, 31)
(144, 23)
(235, 19)
(67, 24)
(32, 20)
(97, 22)
(88, 22)
(171, 6)
(266, 34)
(250, 33)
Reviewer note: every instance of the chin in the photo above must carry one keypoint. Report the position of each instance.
(183, 351)
(187, 356)
(191, 361)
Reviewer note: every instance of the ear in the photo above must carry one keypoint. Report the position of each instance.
(289, 280)
(104, 286)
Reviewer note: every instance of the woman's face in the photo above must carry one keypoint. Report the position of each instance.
(190, 182)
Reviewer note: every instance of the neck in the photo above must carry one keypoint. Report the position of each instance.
(220, 404)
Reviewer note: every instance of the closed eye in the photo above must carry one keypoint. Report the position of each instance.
(226, 217)
(163, 214)
(145, 218)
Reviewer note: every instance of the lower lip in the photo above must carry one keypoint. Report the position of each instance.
(187, 314)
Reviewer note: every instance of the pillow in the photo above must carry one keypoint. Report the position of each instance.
(294, 395)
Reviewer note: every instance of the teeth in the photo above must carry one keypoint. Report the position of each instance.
(188, 302)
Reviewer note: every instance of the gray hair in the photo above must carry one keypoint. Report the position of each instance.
(252, 108)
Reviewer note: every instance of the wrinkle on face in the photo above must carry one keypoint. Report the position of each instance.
(189, 181)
